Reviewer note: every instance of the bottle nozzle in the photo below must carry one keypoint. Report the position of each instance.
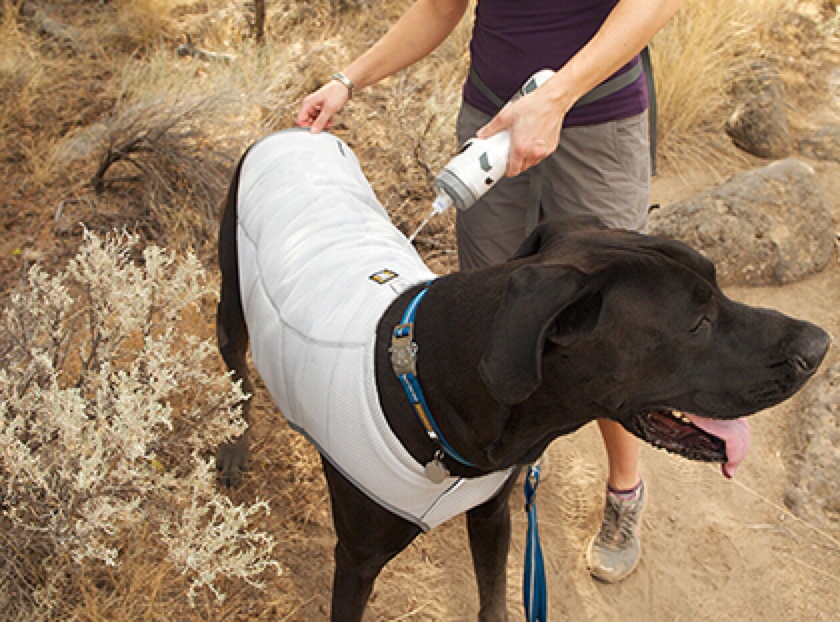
(442, 202)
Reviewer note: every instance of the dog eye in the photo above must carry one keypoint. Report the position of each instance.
(701, 324)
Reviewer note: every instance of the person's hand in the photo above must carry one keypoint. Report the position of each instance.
(534, 124)
(317, 110)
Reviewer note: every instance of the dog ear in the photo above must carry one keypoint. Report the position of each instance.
(533, 243)
(685, 255)
(536, 294)
(552, 229)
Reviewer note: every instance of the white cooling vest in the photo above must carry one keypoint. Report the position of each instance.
(319, 263)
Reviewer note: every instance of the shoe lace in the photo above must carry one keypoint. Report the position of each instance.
(619, 521)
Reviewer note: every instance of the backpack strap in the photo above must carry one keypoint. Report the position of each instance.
(653, 108)
(484, 89)
(613, 85)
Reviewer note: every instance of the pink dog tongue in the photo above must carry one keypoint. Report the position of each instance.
(734, 432)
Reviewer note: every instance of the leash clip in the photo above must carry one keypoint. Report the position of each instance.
(403, 350)
(532, 481)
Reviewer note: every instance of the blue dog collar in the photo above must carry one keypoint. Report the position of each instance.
(404, 361)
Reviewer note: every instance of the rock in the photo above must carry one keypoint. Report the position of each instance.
(767, 226)
(813, 493)
(759, 124)
(57, 31)
(822, 145)
(834, 88)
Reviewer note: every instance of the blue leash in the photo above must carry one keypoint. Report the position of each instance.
(534, 586)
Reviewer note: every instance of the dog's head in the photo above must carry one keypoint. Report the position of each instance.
(636, 328)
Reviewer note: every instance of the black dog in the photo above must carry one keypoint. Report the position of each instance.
(583, 323)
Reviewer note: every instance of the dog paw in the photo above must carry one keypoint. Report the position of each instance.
(233, 460)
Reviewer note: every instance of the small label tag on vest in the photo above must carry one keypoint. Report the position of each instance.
(383, 276)
(436, 471)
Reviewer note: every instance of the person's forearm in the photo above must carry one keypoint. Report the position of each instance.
(626, 31)
(418, 32)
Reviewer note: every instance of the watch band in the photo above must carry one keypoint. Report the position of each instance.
(345, 81)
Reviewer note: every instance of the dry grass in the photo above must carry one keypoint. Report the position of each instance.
(22, 74)
(692, 56)
(137, 25)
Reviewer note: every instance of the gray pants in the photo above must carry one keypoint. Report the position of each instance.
(598, 170)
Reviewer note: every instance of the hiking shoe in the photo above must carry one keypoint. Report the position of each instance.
(615, 550)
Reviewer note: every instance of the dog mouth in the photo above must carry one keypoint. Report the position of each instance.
(694, 437)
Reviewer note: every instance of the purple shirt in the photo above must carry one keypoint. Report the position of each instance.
(512, 39)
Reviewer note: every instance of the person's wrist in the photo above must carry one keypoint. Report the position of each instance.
(347, 82)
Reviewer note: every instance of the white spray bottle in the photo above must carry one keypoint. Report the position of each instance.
(479, 164)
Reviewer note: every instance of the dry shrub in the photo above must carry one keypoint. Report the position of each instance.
(692, 56)
(161, 149)
(169, 145)
(136, 24)
(165, 151)
(109, 411)
(21, 74)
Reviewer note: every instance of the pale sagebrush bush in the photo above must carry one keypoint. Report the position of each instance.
(109, 411)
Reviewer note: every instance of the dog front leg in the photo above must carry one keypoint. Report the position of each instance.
(488, 526)
(355, 573)
(369, 536)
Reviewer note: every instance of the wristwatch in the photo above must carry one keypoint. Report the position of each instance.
(345, 81)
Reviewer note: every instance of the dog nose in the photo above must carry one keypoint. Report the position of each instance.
(809, 349)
